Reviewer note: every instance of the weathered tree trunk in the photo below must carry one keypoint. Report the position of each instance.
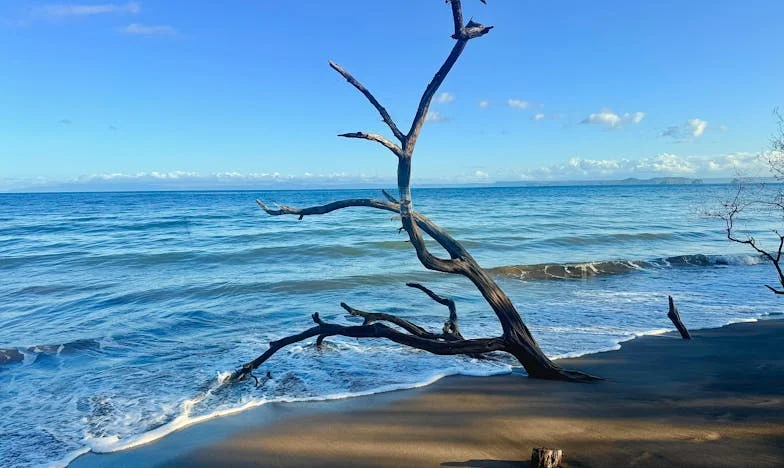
(546, 458)
(676, 320)
(516, 338)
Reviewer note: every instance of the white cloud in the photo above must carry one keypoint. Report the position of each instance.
(433, 116)
(604, 118)
(539, 117)
(445, 98)
(636, 117)
(611, 119)
(693, 128)
(481, 174)
(518, 104)
(484, 104)
(137, 29)
(65, 10)
(698, 126)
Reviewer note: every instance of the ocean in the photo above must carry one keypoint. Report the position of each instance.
(122, 313)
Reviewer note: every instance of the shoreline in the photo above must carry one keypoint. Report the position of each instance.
(189, 444)
(184, 422)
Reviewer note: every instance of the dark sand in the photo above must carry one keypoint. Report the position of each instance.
(717, 400)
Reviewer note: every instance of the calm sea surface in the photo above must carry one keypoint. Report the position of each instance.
(121, 312)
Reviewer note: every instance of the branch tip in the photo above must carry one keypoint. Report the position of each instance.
(381, 109)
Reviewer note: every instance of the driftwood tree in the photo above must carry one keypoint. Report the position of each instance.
(516, 339)
(764, 200)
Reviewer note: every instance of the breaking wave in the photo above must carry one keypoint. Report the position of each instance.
(563, 271)
(31, 353)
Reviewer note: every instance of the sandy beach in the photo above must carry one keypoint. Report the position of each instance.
(714, 401)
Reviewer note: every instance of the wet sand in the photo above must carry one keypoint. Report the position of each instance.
(717, 400)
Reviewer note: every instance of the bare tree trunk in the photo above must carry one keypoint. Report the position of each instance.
(516, 339)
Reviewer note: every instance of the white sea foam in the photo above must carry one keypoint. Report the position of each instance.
(183, 420)
(68, 458)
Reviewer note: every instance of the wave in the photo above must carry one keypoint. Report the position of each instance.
(561, 271)
(184, 418)
(31, 353)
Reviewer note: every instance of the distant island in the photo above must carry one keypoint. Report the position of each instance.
(627, 181)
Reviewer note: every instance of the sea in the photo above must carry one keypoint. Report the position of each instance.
(122, 314)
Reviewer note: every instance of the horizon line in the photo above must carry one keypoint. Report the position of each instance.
(625, 182)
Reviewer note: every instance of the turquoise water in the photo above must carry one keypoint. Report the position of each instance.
(120, 312)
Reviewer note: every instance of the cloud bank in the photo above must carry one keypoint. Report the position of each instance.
(575, 169)
(188, 180)
(661, 165)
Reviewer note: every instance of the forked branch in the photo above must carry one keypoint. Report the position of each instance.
(450, 326)
(381, 109)
(462, 34)
(374, 330)
(412, 328)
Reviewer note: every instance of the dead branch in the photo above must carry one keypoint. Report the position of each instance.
(462, 34)
(362, 89)
(372, 317)
(433, 230)
(377, 138)
(732, 209)
(330, 207)
(389, 196)
(374, 330)
(676, 320)
(450, 326)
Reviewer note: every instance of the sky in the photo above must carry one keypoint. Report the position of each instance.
(239, 92)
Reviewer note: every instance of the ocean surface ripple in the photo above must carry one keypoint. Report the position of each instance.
(122, 312)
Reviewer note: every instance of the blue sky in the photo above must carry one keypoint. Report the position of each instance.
(241, 89)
